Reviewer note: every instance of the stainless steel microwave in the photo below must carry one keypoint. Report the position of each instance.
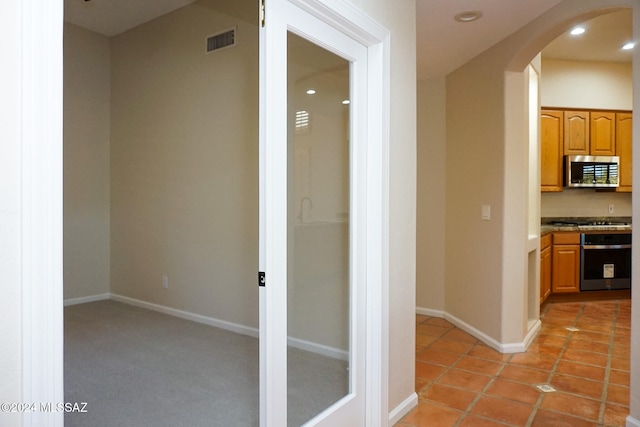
(592, 171)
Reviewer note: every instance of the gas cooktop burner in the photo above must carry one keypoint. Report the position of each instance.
(577, 223)
(607, 223)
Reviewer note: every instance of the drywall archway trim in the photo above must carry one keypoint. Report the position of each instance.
(531, 39)
(523, 47)
(479, 131)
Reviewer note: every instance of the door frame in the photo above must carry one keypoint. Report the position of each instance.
(352, 22)
(41, 142)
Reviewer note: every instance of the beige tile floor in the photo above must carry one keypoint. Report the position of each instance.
(462, 382)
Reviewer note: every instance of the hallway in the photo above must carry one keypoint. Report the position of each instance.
(582, 351)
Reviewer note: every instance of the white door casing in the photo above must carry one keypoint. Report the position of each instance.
(316, 21)
(41, 210)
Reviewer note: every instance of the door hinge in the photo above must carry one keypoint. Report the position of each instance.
(262, 13)
(262, 281)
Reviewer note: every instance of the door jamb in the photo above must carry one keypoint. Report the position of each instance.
(41, 140)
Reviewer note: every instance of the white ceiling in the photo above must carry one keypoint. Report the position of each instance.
(111, 17)
(443, 44)
(602, 41)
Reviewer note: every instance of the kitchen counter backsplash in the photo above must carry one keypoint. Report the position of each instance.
(549, 224)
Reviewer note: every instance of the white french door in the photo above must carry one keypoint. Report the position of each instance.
(365, 218)
(313, 221)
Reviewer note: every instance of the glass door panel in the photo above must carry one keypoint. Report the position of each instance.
(313, 230)
(318, 279)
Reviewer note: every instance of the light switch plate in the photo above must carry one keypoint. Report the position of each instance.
(486, 212)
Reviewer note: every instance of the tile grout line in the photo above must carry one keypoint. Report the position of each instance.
(607, 371)
(463, 414)
(467, 411)
(448, 368)
(552, 372)
(482, 392)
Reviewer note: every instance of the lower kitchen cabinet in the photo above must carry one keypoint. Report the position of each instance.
(565, 263)
(545, 267)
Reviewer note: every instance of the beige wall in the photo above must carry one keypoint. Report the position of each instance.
(430, 233)
(475, 177)
(585, 203)
(184, 163)
(87, 86)
(399, 18)
(609, 87)
(583, 84)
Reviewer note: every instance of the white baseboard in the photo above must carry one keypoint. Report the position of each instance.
(233, 327)
(82, 300)
(403, 409)
(632, 422)
(429, 312)
(461, 324)
(222, 324)
(323, 350)
(533, 332)
(517, 347)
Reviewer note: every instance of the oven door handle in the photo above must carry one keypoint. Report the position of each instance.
(606, 246)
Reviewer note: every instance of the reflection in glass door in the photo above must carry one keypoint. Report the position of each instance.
(318, 289)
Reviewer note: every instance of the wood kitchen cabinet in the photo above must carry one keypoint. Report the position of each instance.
(587, 133)
(576, 132)
(565, 263)
(623, 150)
(603, 133)
(551, 136)
(545, 267)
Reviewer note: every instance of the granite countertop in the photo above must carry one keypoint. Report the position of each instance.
(549, 225)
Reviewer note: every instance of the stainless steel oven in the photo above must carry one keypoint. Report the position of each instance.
(605, 261)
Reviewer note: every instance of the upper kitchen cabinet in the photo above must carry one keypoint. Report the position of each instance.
(551, 135)
(603, 133)
(623, 149)
(589, 133)
(572, 132)
(576, 132)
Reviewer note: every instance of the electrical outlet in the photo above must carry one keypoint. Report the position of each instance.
(610, 208)
(165, 281)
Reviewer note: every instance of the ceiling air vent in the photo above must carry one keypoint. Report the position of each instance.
(221, 40)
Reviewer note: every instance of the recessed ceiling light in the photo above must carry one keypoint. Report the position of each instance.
(311, 91)
(577, 31)
(628, 46)
(468, 16)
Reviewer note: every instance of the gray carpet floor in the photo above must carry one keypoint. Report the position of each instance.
(138, 368)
